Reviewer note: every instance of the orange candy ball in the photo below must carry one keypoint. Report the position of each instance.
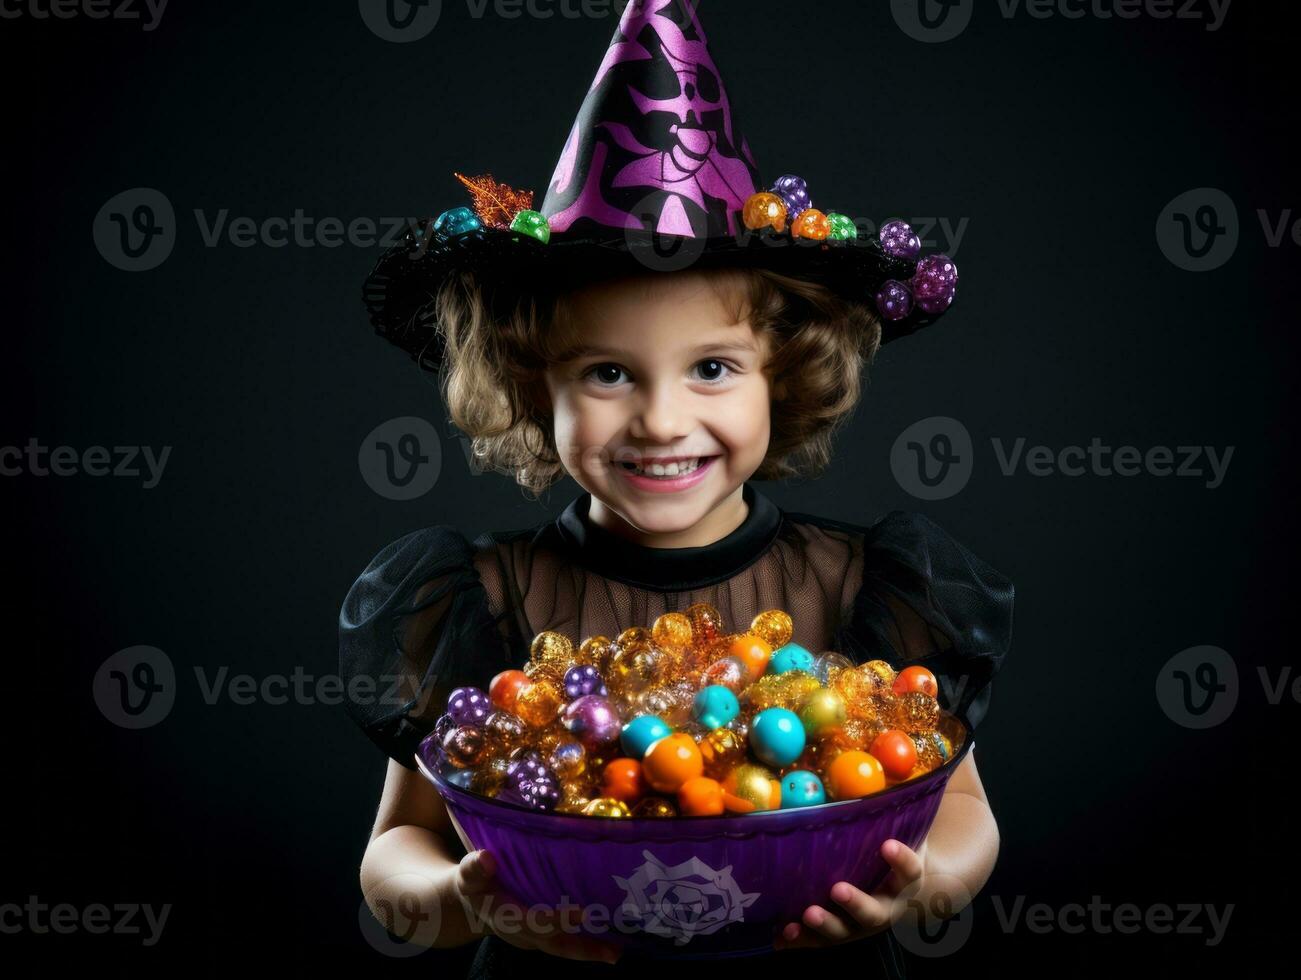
(917, 679)
(505, 688)
(622, 780)
(853, 774)
(753, 652)
(812, 224)
(672, 761)
(765, 210)
(896, 752)
(700, 797)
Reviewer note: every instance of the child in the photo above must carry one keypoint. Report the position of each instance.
(566, 347)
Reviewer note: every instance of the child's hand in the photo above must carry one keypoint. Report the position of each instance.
(483, 897)
(863, 915)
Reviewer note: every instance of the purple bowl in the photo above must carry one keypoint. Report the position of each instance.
(696, 887)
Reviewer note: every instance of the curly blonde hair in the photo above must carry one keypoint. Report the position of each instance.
(493, 373)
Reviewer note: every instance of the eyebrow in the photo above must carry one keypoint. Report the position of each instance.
(589, 350)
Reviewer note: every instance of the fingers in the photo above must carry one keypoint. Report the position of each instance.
(476, 874)
(906, 866)
(867, 911)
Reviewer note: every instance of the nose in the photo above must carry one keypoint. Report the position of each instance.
(662, 416)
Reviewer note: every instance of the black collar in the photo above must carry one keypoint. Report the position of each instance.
(670, 569)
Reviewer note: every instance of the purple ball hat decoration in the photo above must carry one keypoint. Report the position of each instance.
(899, 240)
(935, 283)
(894, 300)
(582, 680)
(795, 192)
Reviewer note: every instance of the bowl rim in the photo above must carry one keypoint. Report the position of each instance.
(945, 767)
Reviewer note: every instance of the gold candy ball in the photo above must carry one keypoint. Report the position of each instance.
(539, 703)
(606, 806)
(672, 631)
(822, 709)
(774, 626)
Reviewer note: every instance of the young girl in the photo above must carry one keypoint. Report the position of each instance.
(662, 394)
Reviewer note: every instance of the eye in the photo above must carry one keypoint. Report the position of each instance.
(714, 371)
(601, 374)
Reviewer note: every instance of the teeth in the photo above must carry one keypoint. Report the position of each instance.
(670, 470)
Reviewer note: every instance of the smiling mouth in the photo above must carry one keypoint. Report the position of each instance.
(666, 471)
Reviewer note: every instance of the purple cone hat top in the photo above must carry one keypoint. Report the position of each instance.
(654, 175)
(655, 146)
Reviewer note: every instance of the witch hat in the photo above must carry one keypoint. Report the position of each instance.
(655, 176)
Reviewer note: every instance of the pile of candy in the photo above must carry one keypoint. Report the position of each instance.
(687, 719)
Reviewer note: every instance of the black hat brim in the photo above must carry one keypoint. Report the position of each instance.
(401, 290)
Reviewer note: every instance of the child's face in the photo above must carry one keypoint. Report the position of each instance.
(663, 373)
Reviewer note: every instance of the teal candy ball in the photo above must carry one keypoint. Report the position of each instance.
(639, 734)
(843, 228)
(777, 736)
(533, 224)
(792, 656)
(802, 788)
(457, 221)
(715, 706)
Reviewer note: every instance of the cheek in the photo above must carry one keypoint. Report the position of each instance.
(746, 425)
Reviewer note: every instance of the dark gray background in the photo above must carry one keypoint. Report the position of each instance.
(1060, 140)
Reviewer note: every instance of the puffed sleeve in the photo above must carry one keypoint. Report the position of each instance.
(414, 625)
(926, 599)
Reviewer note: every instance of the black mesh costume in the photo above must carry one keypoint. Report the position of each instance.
(435, 611)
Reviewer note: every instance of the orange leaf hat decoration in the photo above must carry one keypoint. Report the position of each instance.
(496, 204)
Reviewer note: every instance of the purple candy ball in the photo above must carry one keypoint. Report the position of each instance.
(794, 191)
(469, 706)
(582, 680)
(936, 277)
(592, 720)
(894, 300)
(899, 239)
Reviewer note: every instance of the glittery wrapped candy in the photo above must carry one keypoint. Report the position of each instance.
(469, 706)
(568, 760)
(671, 702)
(774, 627)
(672, 632)
(935, 283)
(655, 807)
(928, 753)
(551, 654)
(636, 669)
(825, 664)
(883, 674)
(539, 703)
(466, 746)
(605, 806)
(795, 686)
(765, 210)
(457, 221)
(916, 712)
(706, 624)
(856, 687)
(489, 778)
(505, 732)
(894, 300)
(596, 651)
(794, 192)
(727, 672)
(751, 788)
(584, 679)
(533, 224)
(722, 749)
